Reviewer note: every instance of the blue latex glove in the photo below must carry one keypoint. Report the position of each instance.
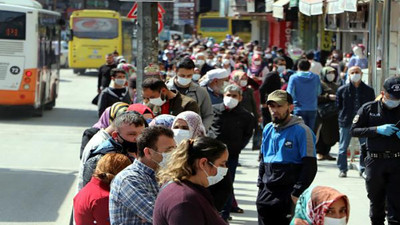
(387, 129)
(398, 134)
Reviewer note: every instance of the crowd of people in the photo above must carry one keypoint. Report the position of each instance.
(172, 158)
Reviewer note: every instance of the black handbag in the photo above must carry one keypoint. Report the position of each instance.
(327, 110)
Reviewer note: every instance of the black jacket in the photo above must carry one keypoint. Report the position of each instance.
(232, 127)
(271, 82)
(107, 98)
(205, 68)
(104, 75)
(371, 115)
(345, 98)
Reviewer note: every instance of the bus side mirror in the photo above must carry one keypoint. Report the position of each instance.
(71, 34)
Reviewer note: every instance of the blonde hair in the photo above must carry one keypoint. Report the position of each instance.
(181, 164)
(110, 165)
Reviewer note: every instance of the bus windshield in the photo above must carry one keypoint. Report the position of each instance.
(12, 25)
(241, 26)
(95, 28)
(214, 24)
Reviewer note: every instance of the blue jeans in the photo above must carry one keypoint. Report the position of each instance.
(309, 117)
(344, 142)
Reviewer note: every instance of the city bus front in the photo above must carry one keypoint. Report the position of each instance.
(92, 39)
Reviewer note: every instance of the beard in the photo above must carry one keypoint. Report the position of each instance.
(280, 120)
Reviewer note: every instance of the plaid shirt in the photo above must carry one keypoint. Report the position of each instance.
(133, 194)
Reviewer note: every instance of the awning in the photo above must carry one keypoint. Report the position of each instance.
(268, 5)
(278, 8)
(339, 6)
(311, 7)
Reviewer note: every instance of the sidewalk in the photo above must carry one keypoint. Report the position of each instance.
(246, 189)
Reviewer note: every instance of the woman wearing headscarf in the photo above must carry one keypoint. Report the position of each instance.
(162, 120)
(327, 128)
(187, 125)
(321, 205)
(184, 199)
(91, 203)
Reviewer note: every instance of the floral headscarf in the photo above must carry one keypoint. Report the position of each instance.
(314, 203)
(163, 120)
(195, 124)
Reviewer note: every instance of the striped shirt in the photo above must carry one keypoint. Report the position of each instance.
(133, 194)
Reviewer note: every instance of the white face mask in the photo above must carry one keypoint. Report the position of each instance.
(391, 104)
(225, 61)
(120, 82)
(184, 81)
(165, 159)
(280, 69)
(355, 77)
(330, 77)
(157, 101)
(196, 77)
(210, 61)
(268, 56)
(221, 172)
(180, 135)
(257, 63)
(243, 83)
(230, 102)
(334, 221)
(200, 62)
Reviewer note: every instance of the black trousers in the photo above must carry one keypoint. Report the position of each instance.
(274, 207)
(383, 186)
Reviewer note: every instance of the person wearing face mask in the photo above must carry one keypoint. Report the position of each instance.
(196, 75)
(358, 59)
(377, 121)
(183, 83)
(161, 100)
(289, 61)
(184, 199)
(123, 140)
(214, 82)
(134, 190)
(119, 92)
(248, 102)
(326, 125)
(187, 125)
(321, 205)
(288, 164)
(271, 82)
(349, 98)
(200, 61)
(226, 63)
(233, 125)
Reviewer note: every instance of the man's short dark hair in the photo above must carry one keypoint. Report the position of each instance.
(304, 65)
(310, 55)
(277, 59)
(153, 84)
(130, 118)
(149, 137)
(115, 71)
(185, 63)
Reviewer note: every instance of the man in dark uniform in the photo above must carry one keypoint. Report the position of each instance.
(376, 121)
(104, 75)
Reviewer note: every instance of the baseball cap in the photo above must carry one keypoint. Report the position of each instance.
(280, 97)
(392, 86)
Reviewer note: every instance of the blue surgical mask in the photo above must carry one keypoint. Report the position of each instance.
(391, 104)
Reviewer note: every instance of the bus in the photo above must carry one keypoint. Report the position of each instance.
(95, 33)
(29, 55)
(210, 24)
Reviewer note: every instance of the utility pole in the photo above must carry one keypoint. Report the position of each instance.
(147, 43)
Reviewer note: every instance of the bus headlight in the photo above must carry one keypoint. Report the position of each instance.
(26, 86)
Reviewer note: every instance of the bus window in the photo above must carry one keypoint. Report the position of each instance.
(214, 24)
(241, 26)
(12, 25)
(95, 28)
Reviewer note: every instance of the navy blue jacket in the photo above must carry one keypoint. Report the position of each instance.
(345, 98)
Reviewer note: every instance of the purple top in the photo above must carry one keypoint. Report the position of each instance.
(185, 203)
